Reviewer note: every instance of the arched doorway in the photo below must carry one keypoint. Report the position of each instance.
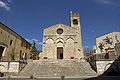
(1, 51)
(60, 50)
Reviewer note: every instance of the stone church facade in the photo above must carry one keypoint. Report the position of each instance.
(63, 42)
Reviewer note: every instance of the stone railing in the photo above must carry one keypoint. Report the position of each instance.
(11, 66)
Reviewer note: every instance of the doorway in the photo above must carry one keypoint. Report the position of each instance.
(59, 52)
(1, 51)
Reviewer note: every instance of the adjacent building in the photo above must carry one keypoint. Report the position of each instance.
(12, 45)
(107, 51)
(114, 37)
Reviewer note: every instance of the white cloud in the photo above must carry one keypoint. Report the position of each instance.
(36, 41)
(85, 47)
(28, 40)
(107, 2)
(4, 5)
(40, 43)
(9, 1)
(93, 31)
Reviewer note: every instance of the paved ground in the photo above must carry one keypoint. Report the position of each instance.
(45, 79)
(94, 78)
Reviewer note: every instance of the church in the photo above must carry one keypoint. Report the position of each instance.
(63, 42)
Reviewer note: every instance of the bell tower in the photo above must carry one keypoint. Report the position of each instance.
(75, 22)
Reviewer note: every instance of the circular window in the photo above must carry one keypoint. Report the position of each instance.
(59, 31)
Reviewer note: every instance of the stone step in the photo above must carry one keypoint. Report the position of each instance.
(56, 68)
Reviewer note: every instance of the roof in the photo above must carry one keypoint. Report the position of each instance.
(13, 32)
(107, 33)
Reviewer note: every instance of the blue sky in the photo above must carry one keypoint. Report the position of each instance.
(29, 17)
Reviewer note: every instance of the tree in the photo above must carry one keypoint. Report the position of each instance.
(87, 52)
(34, 52)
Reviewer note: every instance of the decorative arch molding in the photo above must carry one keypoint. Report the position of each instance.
(60, 44)
(106, 66)
(60, 40)
(70, 38)
(48, 39)
(3, 44)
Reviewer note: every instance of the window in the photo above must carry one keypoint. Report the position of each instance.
(22, 44)
(59, 31)
(106, 56)
(11, 42)
(104, 41)
(116, 38)
(75, 22)
(25, 56)
(111, 40)
(26, 46)
(21, 55)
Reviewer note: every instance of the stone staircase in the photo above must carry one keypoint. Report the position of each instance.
(57, 68)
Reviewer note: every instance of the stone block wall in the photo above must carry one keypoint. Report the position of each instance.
(102, 66)
(117, 49)
(11, 67)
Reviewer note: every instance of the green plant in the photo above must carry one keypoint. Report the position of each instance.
(94, 50)
(86, 52)
(108, 41)
(101, 46)
(34, 52)
(8, 78)
(31, 77)
(89, 53)
(62, 77)
(35, 78)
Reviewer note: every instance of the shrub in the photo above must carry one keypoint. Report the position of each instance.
(8, 78)
(62, 77)
(31, 77)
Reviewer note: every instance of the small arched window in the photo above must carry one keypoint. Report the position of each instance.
(75, 22)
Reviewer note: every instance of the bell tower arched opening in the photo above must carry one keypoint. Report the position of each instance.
(75, 22)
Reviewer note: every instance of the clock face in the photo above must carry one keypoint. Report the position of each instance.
(59, 31)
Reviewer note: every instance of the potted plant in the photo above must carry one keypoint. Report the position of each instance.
(101, 46)
(8, 78)
(32, 78)
(72, 57)
(45, 57)
(109, 42)
(94, 51)
(35, 58)
(62, 77)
